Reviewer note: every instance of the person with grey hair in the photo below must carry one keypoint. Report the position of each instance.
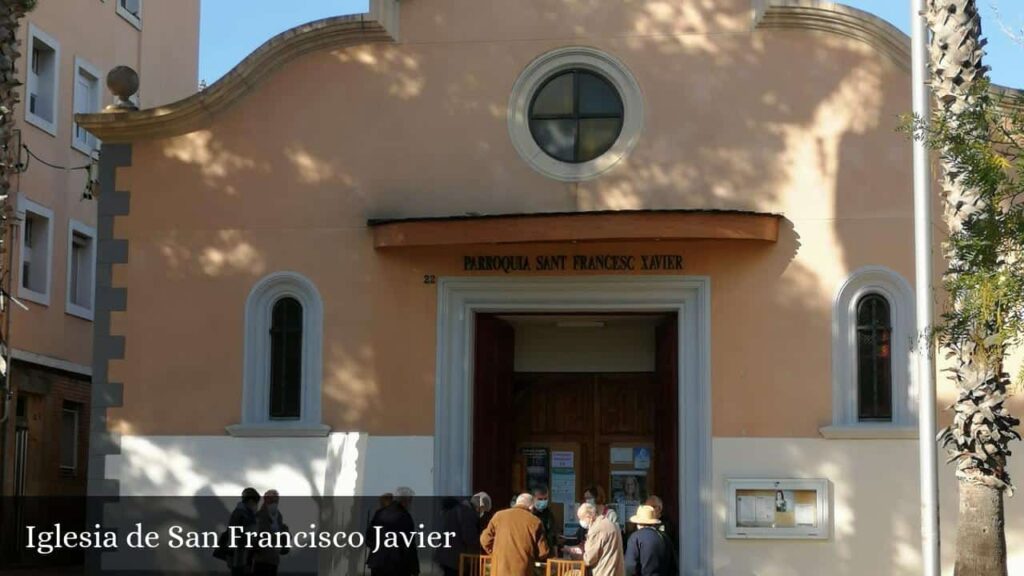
(403, 559)
(481, 502)
(514, 539)
(603, 552)
(458, 517)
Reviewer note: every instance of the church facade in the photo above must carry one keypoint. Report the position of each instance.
(656, 247)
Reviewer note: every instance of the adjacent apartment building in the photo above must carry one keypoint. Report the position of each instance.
(67, 48)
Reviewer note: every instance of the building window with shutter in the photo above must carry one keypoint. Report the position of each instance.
(87, 98)
(874, 359)
(42, 85)
(69, 422)
(873, 393)
(131, 10)
(286, 359)
(282, 360)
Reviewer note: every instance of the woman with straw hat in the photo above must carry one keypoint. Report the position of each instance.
(648, 552)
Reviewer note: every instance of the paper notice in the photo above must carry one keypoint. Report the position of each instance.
(806, 515)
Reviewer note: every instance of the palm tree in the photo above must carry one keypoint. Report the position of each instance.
(984, 311)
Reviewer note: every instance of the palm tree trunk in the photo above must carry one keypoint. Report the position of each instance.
(956, 52)
(980, 539)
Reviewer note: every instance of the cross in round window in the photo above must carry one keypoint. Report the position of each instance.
(576, 116)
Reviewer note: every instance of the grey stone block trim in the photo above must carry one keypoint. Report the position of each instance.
(106, 346)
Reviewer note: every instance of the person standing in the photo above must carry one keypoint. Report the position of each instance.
(269, 520)
(401, 560)
(595, 495)
(647, 552)
(481, 502)
(459, 518)
(239, 559)
(667, 527)
(546, 517)
(603, 553)
(514, 538)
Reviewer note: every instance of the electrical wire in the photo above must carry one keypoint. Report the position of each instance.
(32, 154)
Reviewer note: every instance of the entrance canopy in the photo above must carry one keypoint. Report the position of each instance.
(600, 226)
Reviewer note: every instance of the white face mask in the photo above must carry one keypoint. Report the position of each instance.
(585, 524)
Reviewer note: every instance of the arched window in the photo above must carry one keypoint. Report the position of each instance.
(282, 363)
(874, 359)
(872, 341)
(286, 359)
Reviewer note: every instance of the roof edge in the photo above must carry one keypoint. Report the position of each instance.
(853, 23)
(378, 25)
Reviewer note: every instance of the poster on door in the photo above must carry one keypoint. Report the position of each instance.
(537, 473)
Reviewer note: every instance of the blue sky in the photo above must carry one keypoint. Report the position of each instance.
(228, 34)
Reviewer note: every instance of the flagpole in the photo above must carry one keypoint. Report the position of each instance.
(930, 558)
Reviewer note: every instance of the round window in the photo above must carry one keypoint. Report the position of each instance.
(574, 113)
(576, 116)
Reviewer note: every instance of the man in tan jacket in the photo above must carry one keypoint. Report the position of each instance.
(514, 539)
(603, 550)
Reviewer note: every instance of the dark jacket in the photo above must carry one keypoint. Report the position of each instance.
(459, 517)
(648, 554)
(265, 522)
(547, 519)
(246, 518)
(392, 561)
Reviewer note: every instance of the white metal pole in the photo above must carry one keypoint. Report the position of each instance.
(923, 287)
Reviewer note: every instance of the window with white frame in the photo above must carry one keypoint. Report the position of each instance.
(872, 345)
(282, 358)
(130, 10)
(69, 428)
(81, 270)
(42, 87)
(36, 243)
(86, 101)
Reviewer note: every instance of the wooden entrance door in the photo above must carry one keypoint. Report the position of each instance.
(593, 411)
(590, 412)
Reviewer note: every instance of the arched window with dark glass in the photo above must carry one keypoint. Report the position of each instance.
(874, 359)
(286, 359)
(576, 116)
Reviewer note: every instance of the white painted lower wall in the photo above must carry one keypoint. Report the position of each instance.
(874, 489)
(340, 464)
(875, 508)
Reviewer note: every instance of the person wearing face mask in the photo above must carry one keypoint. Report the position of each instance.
(603, 553)
(596, 496)
(269, 519)
(547, 519)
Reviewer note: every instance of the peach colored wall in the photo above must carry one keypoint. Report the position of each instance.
(93, 31)
(799, 123)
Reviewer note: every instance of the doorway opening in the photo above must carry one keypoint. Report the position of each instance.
(577, 400)
(462, 300)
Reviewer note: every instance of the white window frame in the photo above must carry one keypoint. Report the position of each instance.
(259, 307)
(132, 18)
(533, 78)
(74, 453)
(91, 143)
(50, 127)
(74, 226)
(898, 293)
(24, 206)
